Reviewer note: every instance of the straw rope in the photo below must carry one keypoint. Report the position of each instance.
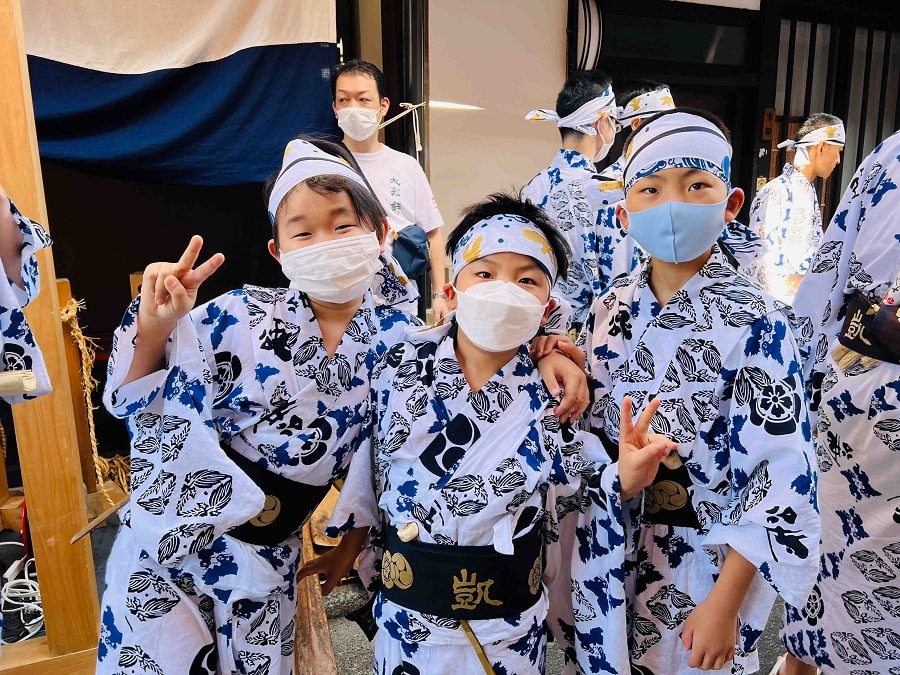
(103, 468)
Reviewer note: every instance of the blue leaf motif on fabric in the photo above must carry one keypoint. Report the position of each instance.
(858, 483)
(190, 392)
(217, 561)
(220, 320)
(592, 643)
(852, 526)
(737, 426)
(673, 546)
(529, 644)
(883, 187)
(843, 407)
(264, 372)
(110, 635)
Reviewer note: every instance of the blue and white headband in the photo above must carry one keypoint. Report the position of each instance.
(504, 233)
(303, 160)
(676, 141)
(582, 119)
(646, 105)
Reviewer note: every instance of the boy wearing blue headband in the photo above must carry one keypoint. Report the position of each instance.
(731, 519)
(471, 467)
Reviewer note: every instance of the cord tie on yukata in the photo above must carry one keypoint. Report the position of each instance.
(833, 134)
(647, 105)
(582, 119)
(302, 161)
(675, 141)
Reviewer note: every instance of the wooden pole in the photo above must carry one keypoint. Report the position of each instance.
(45, 427)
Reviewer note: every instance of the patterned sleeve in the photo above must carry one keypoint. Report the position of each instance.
(770, 516)
(34, 238)
(771, 218)
(20, 350)
(859, 252)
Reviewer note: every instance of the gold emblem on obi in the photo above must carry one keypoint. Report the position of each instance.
(855, 329)
(534, 576)
(269, 512)
(395, 571)
(469, 592)
(666, 495)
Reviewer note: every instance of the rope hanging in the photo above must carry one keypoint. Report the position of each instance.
(103, 468)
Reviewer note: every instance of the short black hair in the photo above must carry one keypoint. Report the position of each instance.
(816, 121)
(502, 203)
(641, 88)
(699, 112)
(578, 90)
(359, 67)
(368, 209)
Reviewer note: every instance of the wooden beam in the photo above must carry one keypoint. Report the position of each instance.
(45, 427)
(33, 657)
(313, 651)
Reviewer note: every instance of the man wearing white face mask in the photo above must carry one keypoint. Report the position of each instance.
(399, 182)
(566, 189)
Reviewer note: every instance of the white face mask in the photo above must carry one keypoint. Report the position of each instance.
(607, 146)
(334, 271)
(358, 123)
(498, 315)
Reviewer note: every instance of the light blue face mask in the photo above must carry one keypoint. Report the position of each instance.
(677, 231)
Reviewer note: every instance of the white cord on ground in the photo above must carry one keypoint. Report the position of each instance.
(24, 596)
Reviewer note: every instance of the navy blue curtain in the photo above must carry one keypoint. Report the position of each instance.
(219, 123)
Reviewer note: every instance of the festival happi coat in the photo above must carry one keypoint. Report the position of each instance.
(722, 358)
(20, 351)
(566, 190)
(470, 468)
(248, 370)
(850, 623)
(787, 216)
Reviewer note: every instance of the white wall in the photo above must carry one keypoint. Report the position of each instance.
(508, 57)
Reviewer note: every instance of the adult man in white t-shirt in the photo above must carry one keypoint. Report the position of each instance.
(399, 182)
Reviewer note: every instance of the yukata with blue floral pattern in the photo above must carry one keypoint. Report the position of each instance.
(20, 351)
(850, 623)
(786, 214)
(523, 471)
(568, 191)
(248, 369)
(722, 357)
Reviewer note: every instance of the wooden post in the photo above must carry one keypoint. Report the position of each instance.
(313, 651)
(45, 427)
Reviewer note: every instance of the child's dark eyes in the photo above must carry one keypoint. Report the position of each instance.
(483, 274)
(345, 226)
(528, 281)
(698, 186)
(649, 190)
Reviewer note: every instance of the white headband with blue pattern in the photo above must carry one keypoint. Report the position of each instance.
(675, 141)
(504, 233)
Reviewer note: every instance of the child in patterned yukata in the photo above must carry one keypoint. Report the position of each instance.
(242, 411)
(20, 239)
(470, 465)
(847, 308)
(732, 520)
